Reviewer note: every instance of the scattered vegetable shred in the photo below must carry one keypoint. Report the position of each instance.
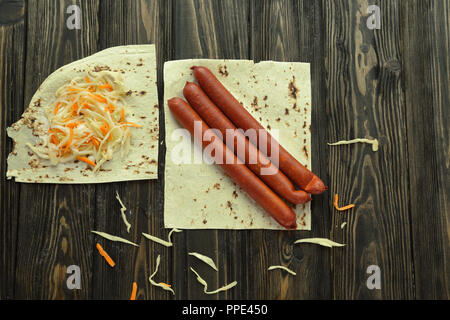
(283, 268)
(87, 121)
(122, 211)
(161, 241)
(321, 241)
(205, 285)
(205, 259)
(114, 238)
(373, 142)
(133, 291)
(105, 255)
(161, 284)
(336, 198)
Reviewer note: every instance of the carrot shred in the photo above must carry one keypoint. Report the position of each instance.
(69, 142)
(97, 97)
(341, 208)
(75, 109)
(111, 108)
(91, 89)
(122, 115)
(133, 291)
(165, 284)
(131, 124)
(95, 142)
(57, 130)
(53, 138)
(56, 108)
(86, 106)
(106, 86)
(73, 124)
(105, 255)
(86, 160)
(87, 79)
(105, 129)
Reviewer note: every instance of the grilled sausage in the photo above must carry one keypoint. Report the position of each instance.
(254, 159)
(241, 118)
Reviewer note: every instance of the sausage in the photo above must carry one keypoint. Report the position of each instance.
(223, 99)
(254, 159)
(237, 170)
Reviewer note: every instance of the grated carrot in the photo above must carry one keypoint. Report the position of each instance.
(56, 108)
(341, 208)
(54, 139)
(86, 160)
(122, 115)
(87, 79)
(97, 97)
(72, 124)
(95, 142)
(85, 105)
(58, 130)
(134, 291)
(165, 284)
(106, 86)
(73, 89)
(69, 142)
(75, 109)
(105, 255)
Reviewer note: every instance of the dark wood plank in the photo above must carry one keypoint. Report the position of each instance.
(55, 220)
(12, 66)
(365, 99)
(291, 31)
(427, 76)
(211, 29)
(122, 23)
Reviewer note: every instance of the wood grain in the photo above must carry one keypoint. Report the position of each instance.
(365, 99)
(391, 84)
(427, 77)
(12, 52)
(54, 220)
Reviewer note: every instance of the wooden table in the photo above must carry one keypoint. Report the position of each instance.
(390, 83)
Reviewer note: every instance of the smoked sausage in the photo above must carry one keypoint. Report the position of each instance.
(254, 159)
(237, 170)
(241, 118)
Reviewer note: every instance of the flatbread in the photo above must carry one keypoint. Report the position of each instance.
(137, 68)
(201, 196)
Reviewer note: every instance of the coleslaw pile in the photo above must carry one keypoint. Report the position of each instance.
(87, 121)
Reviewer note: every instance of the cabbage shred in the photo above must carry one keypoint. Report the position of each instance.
(87, 121)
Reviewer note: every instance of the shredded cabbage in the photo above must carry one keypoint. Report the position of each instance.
(161, 241)
(373, 142)
(283, 268)
(205, 284)
(87, 121)
(114, 238)
(122, 211)
(321, 241)
(160, 284)
(205, 259)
